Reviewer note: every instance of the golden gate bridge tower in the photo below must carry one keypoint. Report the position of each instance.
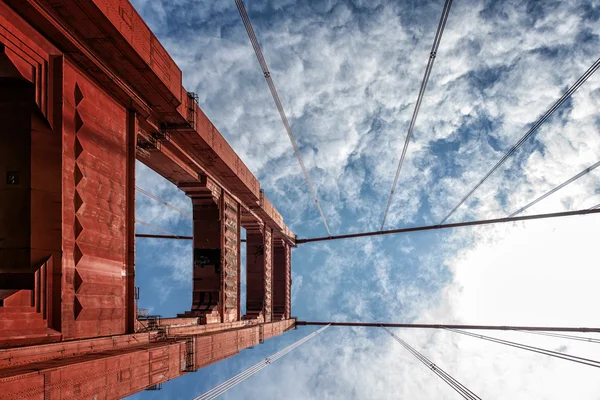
(86, 89)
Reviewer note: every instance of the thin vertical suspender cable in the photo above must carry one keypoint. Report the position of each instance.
(557, 188)
(453, 383)
(242, 376)
(530, 132)
(172, 207)
(263, 64)
(551, 353)
(432, 54)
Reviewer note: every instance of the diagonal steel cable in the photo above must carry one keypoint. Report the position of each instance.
(539, 350)
(172, 207)
(263, 64)
(563, 336)
(530, 132)
(446, 377)
(556, 189)
(432, 54)
(242, 376)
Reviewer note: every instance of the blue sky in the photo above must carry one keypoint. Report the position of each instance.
(348, 74)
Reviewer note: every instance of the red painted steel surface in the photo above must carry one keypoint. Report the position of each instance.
(110, 374)
(30, 187)
(113, 45)
(255, 273)
(280, 250)
(261, 270)
(268, 274)
(176, 329)
(115, 367)
(277, 328)
(207, 258)
(28, 354)
(130, 289)
(94, 214)
(288, 282)
(85, 89)
(230, 222)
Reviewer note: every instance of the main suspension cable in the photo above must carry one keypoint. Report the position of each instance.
(172, 207)
(452, 225)
(556, 189)
(434, 48)
(530, 132)
(451, 381)
(451, 326)
(551, 353)
(242, 376)
(263, 64)
(597, 206)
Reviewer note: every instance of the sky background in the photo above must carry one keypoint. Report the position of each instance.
(348, 74)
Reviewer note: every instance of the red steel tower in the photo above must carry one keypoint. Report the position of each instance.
(85, 90)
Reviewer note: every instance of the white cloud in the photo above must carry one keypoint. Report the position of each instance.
(156, 213)
(348, 81)
(542, 272)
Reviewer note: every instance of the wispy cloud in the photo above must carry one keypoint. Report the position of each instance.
(348, 73)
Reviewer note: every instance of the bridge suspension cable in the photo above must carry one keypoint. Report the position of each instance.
(434, 48)
(172, 236)
(556, 189)
(451, 326)
(446, 377)
(172, 207)
(529, 133)
(563, 336)
(597, 206)
(551, 353)
(265, 69)
(452, 225)
(242, 376)
(156, 228)
(151, 236)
